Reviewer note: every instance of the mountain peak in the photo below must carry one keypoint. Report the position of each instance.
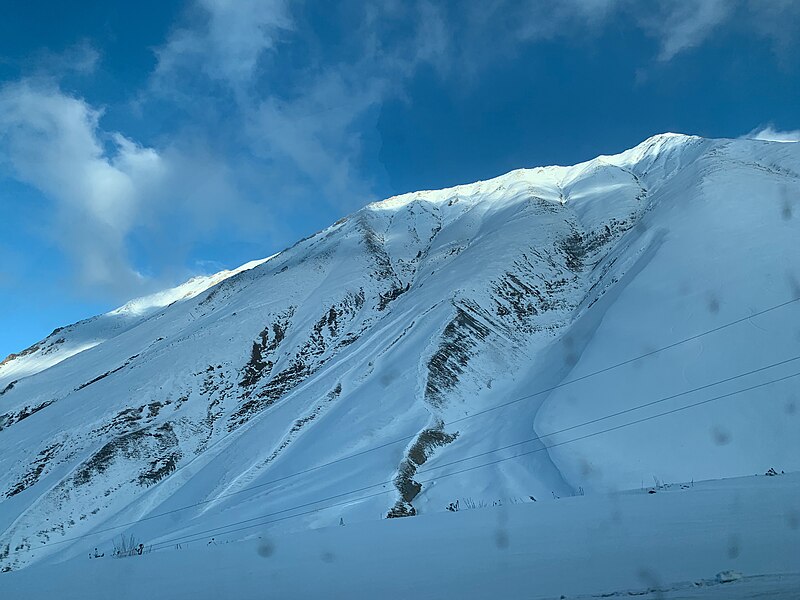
(453, 325)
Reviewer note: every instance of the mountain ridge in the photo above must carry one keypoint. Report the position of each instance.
(199, 283)
(404, 317)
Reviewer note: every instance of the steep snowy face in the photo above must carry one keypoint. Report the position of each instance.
(400, 359)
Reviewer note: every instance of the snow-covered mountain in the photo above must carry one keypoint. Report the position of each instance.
(433, 347)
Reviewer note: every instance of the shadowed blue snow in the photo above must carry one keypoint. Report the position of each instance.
(572, 548)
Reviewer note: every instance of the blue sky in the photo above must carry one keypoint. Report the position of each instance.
(143, 143)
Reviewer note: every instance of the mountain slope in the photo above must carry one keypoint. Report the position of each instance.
(394, 332)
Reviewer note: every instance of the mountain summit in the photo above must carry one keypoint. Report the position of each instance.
(549, 332)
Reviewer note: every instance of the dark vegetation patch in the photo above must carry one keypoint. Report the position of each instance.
(418, 454)
(159, 445)
(9, 419)
(129, 419)
(260, 363)
(457, 346)
(216, 386)
(153, 408)
(26, 352)
(374, 244)
(401, 335)
(312, 354)
(427, 441)
(212, 293)
(50, 348)
(602, 283)
(126, 445)
(107, 373)
(574, 250)
(519, 297)
(214, 380)
(180, 401)
(348, 339)
(530, 288)
(44, 346)
(166, 443)
(578, 247)
(401, 509)
(276, 387)
(37, 468)
(393, 294)
(303, 421)
(4, 552)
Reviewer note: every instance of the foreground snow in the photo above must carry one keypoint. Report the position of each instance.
(669, 544)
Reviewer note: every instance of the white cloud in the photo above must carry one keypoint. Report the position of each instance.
(684, 25)
(81, 58)
(307, 136)
(303, 124)
(776, 21)
(253, 134)
(105, 190)
(497, 26)
(53, 142)
(481, 33)
(565, 18)
(225, 42)
(305, 132)
(316, 136)
(770, 134)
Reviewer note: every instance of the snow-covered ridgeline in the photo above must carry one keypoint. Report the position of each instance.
(410, 314)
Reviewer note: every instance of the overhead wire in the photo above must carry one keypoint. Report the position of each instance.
(223, 529)
(455, 421)
(464, 459)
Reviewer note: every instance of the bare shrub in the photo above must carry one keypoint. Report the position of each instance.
(126, 546)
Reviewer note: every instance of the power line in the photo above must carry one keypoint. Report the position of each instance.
(628, 361)
(461, 419)
(407, 438)
(590, 422)
(453, 422)
(218, 530)
(627, 410)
